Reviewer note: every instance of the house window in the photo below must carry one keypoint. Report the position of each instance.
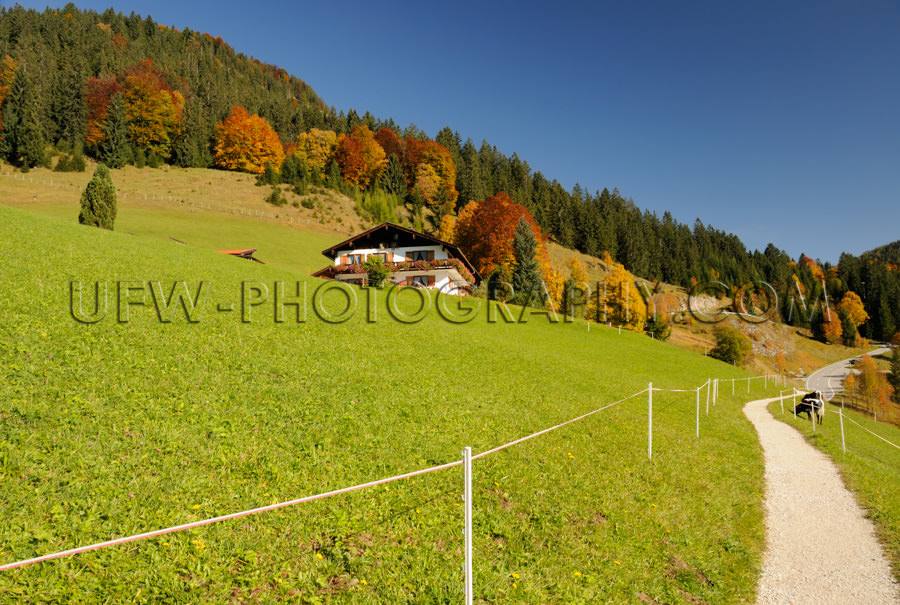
(421, 255)
(354, 259)
(422, 280)
(382, 255)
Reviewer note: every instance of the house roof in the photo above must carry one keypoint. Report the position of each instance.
(389, 235)
(242, 253)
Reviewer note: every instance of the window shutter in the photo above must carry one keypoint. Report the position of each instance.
(431, 277)
(430, 255)
(344, 259)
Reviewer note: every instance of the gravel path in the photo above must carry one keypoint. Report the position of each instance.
(820, 548)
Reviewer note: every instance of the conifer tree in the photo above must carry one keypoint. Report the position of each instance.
(23, 138)
(98, 201)
(526, 277)
(392, 179)
(115, 150)
(849, 333)
(67, 107)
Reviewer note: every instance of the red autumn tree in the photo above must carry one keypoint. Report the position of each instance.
(100, 92)
(390, 142)
(360, 157)
(247, 143)
(485, 230)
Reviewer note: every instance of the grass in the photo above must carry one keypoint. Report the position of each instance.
(110, 429)
(869, 467)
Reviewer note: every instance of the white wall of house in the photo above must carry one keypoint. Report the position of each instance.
(395, 255)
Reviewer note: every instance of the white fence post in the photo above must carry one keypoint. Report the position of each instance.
(843, 443)
(708, 388)
(467, 465)
(698, 406)
(732, 386)
(781, 401)
(748, 385)
(650, 421)
(795, 404)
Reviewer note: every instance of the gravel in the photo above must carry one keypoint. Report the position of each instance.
(820, 548)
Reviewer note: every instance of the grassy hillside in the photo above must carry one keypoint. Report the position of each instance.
(868, 467)
(210, 209)
(115, 428)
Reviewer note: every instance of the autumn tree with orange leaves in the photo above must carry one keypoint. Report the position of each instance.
(247, 143)
(360, 157)
(830, 329)
(484, 231)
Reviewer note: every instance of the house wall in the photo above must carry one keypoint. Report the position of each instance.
(395, 255)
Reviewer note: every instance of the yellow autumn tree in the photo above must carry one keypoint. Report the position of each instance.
(617, 300)
(247, 143)
(316, 149)
(154, 110)
(577, 270)
(852, 305)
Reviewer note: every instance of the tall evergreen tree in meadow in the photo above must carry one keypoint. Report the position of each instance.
(115, 151)
(23, 138)
(98, 201)
(526, 277)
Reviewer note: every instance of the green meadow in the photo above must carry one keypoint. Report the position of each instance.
(869, 465)
(126, 425)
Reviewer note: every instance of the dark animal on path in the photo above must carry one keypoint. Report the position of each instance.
(812, 403)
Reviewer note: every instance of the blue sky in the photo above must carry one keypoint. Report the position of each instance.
(777, 121)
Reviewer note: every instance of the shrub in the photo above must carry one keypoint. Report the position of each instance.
(98, 201)
(376, 270)
(275, 197)
(658, 328)
(732, 346)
